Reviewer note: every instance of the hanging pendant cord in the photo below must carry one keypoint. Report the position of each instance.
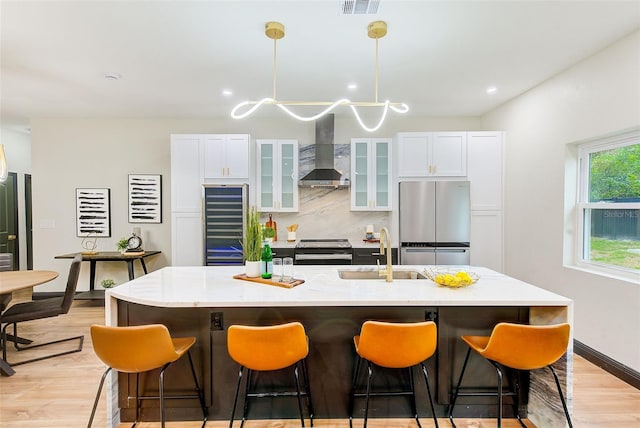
(275, 69)
(376, 85)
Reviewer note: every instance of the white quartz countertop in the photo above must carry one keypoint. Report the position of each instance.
(202, 286)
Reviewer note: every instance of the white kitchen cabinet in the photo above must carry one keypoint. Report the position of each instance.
(197, 159)
(371, 174)
(277, 171)
(186, 181)
(484, 152)
(486, 239)
(187, 240)
(432, 154)
(225, 156)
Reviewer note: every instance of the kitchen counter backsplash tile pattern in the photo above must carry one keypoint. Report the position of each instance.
(326, 213)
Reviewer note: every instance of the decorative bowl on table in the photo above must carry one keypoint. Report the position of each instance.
(453, 278)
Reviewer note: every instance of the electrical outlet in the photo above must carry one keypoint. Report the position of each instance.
(217, 321)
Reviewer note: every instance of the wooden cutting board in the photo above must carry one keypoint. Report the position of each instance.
(294, 282)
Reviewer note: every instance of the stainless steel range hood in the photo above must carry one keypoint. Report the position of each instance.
(324, 173)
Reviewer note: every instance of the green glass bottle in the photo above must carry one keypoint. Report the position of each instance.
(267, 261)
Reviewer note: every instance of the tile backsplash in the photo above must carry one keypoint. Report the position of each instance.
(326, 213)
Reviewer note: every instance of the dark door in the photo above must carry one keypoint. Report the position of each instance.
(9, 218)
(28, 220)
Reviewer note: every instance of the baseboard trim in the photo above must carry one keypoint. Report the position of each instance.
(622, 372)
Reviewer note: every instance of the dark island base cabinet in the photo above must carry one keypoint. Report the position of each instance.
(330, 363)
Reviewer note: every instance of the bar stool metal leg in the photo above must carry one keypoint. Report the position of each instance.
(305, 376)
(366, 405)
(205, 412)
(426, 380)
(247, 390)
(95, 402)
(564, 403)
(414, 406)
(457, 391)
(235, 397)
(297, 377)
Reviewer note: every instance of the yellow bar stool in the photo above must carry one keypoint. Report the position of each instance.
(267, 348)
(519, 347)
(398, 346)
(138, 349)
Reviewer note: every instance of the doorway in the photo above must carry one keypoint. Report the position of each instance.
(9, 218)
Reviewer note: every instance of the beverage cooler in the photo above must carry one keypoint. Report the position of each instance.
(225, 208)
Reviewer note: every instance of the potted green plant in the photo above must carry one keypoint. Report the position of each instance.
(269, 233)
(252, 243)
(107, 283)
(122, 244)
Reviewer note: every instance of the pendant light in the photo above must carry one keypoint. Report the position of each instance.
(4, 170)
(275, 31)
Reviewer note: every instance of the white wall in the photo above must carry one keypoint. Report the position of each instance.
(17, 149)
(71, 153)
(597, 96)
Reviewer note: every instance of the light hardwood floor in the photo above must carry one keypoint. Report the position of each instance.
(59, 392)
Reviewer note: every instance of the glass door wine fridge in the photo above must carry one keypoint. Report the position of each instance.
(225, 208)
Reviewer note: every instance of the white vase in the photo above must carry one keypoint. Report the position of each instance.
(253, 269)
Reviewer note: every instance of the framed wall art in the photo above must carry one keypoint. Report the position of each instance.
(145, 198)
(93, 212)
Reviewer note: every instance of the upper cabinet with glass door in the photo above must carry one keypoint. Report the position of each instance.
(371, 174)
(277, 175)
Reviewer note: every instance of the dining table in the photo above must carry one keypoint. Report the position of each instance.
(16, 280)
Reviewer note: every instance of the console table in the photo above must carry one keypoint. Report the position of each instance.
(108, 256)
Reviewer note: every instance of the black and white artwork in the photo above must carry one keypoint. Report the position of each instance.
(145, 198)
(93, 212)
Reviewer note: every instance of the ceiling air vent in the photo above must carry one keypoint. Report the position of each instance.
(359, 7)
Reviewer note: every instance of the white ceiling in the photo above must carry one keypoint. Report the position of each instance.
(175, 57)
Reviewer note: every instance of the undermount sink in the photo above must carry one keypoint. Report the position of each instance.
(373, 274)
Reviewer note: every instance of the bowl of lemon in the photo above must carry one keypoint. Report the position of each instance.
(451, 278)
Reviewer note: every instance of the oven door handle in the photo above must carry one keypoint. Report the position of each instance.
(323, 257)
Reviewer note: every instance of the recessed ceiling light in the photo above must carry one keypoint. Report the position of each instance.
(227, 92)
(352, 86)
(113, 76)
(492, 90)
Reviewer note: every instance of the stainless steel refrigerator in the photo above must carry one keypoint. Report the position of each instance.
(434, 222)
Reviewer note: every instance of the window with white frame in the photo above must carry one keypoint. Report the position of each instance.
(609, 204)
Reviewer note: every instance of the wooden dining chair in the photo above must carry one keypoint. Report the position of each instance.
(41, 309)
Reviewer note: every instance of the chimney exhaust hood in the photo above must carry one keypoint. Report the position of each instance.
(324, 173)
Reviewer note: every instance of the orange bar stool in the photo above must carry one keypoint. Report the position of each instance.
(140, 349)
(519, 347)
(270, 348)
(398, 346)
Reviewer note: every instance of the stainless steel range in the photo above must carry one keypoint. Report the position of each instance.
(323, 252)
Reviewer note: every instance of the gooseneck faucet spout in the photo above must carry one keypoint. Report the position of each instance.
(385, 248)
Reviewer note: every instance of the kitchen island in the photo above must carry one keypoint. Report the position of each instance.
(204, 301)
